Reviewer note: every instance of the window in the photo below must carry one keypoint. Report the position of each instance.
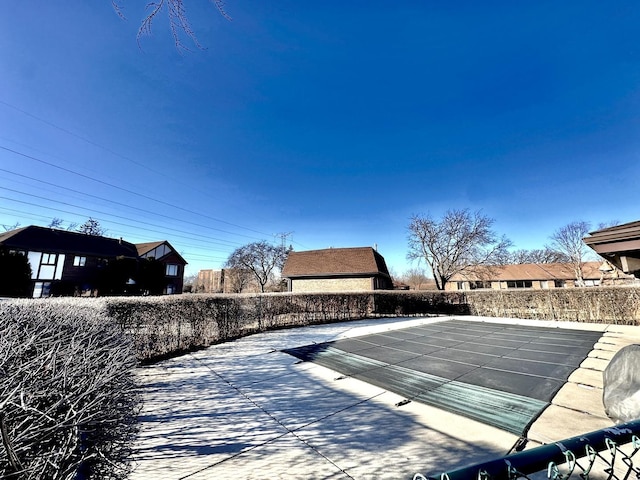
(48, 259)
(171, 270)
(519, 284)
(479, 284)
(41, 289)
(559, 283)
(79, 261)
(47, 269)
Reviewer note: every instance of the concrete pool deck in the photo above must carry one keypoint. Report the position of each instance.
(246, 410)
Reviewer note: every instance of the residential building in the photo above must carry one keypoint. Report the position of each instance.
(210, 281)
(72, 263)
(336, 270)
(620, 245)
(534, 276)
(172, 262)
(226, 280)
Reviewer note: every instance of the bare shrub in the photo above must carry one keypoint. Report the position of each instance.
(67, 397)
(618, 305)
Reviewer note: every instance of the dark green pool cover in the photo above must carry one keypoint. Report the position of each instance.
(500, 374)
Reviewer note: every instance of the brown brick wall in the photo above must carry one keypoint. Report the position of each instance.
(209, 281)
(331, 285)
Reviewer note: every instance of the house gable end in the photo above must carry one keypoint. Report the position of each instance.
(162, 251)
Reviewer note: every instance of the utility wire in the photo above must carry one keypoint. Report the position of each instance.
(117, 203)
(187, 254)
(82, 175)
(112, 152)
(59, 160)
(137, 227)
(84, 139)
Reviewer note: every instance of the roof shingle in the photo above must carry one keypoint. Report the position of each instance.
(531, 271)
(62, 241)
(335, 261)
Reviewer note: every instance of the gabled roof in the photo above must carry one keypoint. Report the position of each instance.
(531, 271)
(43, 239)
(335, 262)
(147, 247)
(144, 248)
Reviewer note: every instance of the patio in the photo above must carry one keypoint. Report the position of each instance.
(246, 409)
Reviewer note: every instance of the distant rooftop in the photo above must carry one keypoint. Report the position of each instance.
(335, 261)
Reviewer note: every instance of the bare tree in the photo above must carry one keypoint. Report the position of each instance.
(415, 278)
(55, 223)
(189, 284)
(259, 258)
(178, 20)
(539, 255)
(237, 279)
(59, 223)
(92, 227)
(8, 228)
(460, 242)
(568, 240)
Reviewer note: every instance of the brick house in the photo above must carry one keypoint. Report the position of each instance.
(226, 280)
(72, 263)
(533, 275)
(210, 281)
(336, 270)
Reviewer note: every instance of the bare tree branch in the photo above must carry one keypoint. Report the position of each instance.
(459, 242)
(568, 240)
(92, 227)
(179, 24)
(539, 255)
(259, 258)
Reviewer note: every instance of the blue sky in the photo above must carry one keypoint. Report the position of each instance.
(332, 122)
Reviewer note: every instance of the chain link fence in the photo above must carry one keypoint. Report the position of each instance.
(611, 453)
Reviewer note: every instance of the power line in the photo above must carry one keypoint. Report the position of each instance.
(117, 203)
(112, 152)
(137, 186)
(137, 227)
(84, 139)
(112, 185)
(102, 182)
(197, 257)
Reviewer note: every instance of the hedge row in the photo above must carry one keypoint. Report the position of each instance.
(163, 326)
(68, 402)
(618, 305)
